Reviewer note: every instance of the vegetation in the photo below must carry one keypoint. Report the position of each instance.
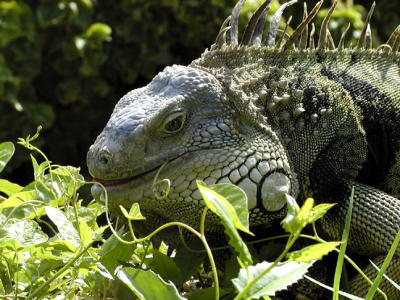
(51, 246)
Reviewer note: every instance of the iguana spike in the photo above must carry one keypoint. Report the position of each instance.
(257, 35)
(324, 27)
(253, 23)
(396, 45)
(368, 37)
(343, 37)
(311, 43)
(233, 32)
(393, 37)
(304, 33)
(221, 37)
(331, 43)
(361, 40)
(273, 27)
(284, 34)
(297, 32)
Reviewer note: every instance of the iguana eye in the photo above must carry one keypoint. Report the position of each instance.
(174, 122)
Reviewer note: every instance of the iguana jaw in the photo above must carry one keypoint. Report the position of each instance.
(129, 182)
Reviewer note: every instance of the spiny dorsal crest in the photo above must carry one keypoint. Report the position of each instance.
(228, 35)
(252, 70)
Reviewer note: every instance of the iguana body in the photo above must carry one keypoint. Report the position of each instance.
(272, 119)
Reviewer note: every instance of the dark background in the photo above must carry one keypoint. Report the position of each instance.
(64, 64)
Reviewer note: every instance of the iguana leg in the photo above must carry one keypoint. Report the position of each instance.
(375, 220)
(374, 224)
(376, 215)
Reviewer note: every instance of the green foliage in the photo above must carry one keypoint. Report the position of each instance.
(47, 245)
(65, 63)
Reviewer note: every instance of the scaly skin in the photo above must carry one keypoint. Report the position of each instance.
(273, 120)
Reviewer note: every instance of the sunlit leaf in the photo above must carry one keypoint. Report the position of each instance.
(222, 208)
(313, 252)
(99, 31)
(26, 232)
(65, 227)
(237, 198)
(6, 152)
(134, 212)
(290, 223)
(148, 285)
(9, 188)
(319, 211)
(277, 279)
(86, 233)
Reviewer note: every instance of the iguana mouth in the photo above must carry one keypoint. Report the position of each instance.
(120, 182)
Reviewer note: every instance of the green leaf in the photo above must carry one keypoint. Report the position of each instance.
(181, 259)
(7, 150)
(38, 170)
(86, 233)
(304, 213)
(55, 250)
(165, 267)
(237, 198)
(319, 211)
(68, 179)
(222, 208)
(65, 227)
(113, 252)
(26, 232)
(277, 279)
(9, 188)
(15, 200)
(289, 223)
(313, 252)
(296, 219)
(99, 31)
(134, 212)
(148, 285)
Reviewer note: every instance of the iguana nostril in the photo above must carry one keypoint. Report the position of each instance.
(105, 157)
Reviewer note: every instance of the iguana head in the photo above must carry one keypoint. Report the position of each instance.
(185, 118)
(242, 113)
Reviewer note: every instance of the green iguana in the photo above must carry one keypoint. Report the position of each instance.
(275, 115)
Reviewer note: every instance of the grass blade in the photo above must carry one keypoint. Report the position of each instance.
(384, 266)
(342, 250)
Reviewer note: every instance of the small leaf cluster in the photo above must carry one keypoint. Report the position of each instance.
(46, 235)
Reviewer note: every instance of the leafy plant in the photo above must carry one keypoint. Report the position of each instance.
(51, 245)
